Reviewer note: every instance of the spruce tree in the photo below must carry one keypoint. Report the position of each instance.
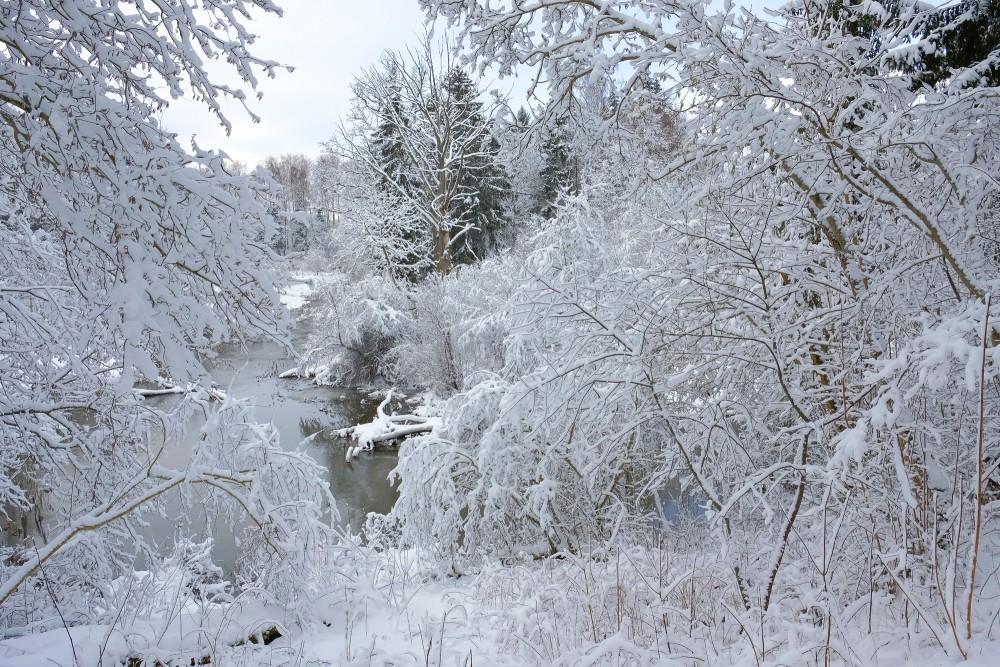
(484, 182)
(559, 170)
(960, 36)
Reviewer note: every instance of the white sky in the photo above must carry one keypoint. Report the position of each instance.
(328, 42)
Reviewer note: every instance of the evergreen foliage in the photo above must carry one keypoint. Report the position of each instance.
(560, 168)
(426, 185)
(484, 184)
(957, 37)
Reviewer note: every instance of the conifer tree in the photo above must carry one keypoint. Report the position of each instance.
(559, 171)
(426, 174)
(483, 208)
(966, 34)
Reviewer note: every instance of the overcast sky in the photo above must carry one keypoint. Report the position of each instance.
(328, 42)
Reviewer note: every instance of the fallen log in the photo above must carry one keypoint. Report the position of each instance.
(404, 420)
(145, 393)
(385, 428)
(400, 433)
(167, 388)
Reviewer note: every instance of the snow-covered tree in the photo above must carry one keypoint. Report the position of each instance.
(324, 187)
(291, 206)
(419, 150)
(126, 257)
(484, 184)
(560, 173)
(810, 347)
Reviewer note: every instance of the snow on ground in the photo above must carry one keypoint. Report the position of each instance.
(391, 609)
(302, 285)
(90, 642)
(295, 295)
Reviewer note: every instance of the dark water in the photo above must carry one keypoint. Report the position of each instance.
(298, 409)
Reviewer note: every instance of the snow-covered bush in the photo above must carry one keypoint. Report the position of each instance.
(458, 328)
(546, 453)
(834, 444)
(796, 325)
(356, 324)
(434, 334)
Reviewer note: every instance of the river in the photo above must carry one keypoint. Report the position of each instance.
(298, 409)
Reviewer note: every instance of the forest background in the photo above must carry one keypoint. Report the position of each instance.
(742, 259)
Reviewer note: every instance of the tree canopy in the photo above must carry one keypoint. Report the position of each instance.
(425, 165)
(126, 259)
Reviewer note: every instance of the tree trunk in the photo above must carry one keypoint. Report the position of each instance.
(442, 251)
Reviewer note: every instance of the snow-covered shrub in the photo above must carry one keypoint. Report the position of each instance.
(458, 327)
(644, 605)
(838, 445)
(128, 257)
(354, 330)
(545, 455)
(434, 334)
